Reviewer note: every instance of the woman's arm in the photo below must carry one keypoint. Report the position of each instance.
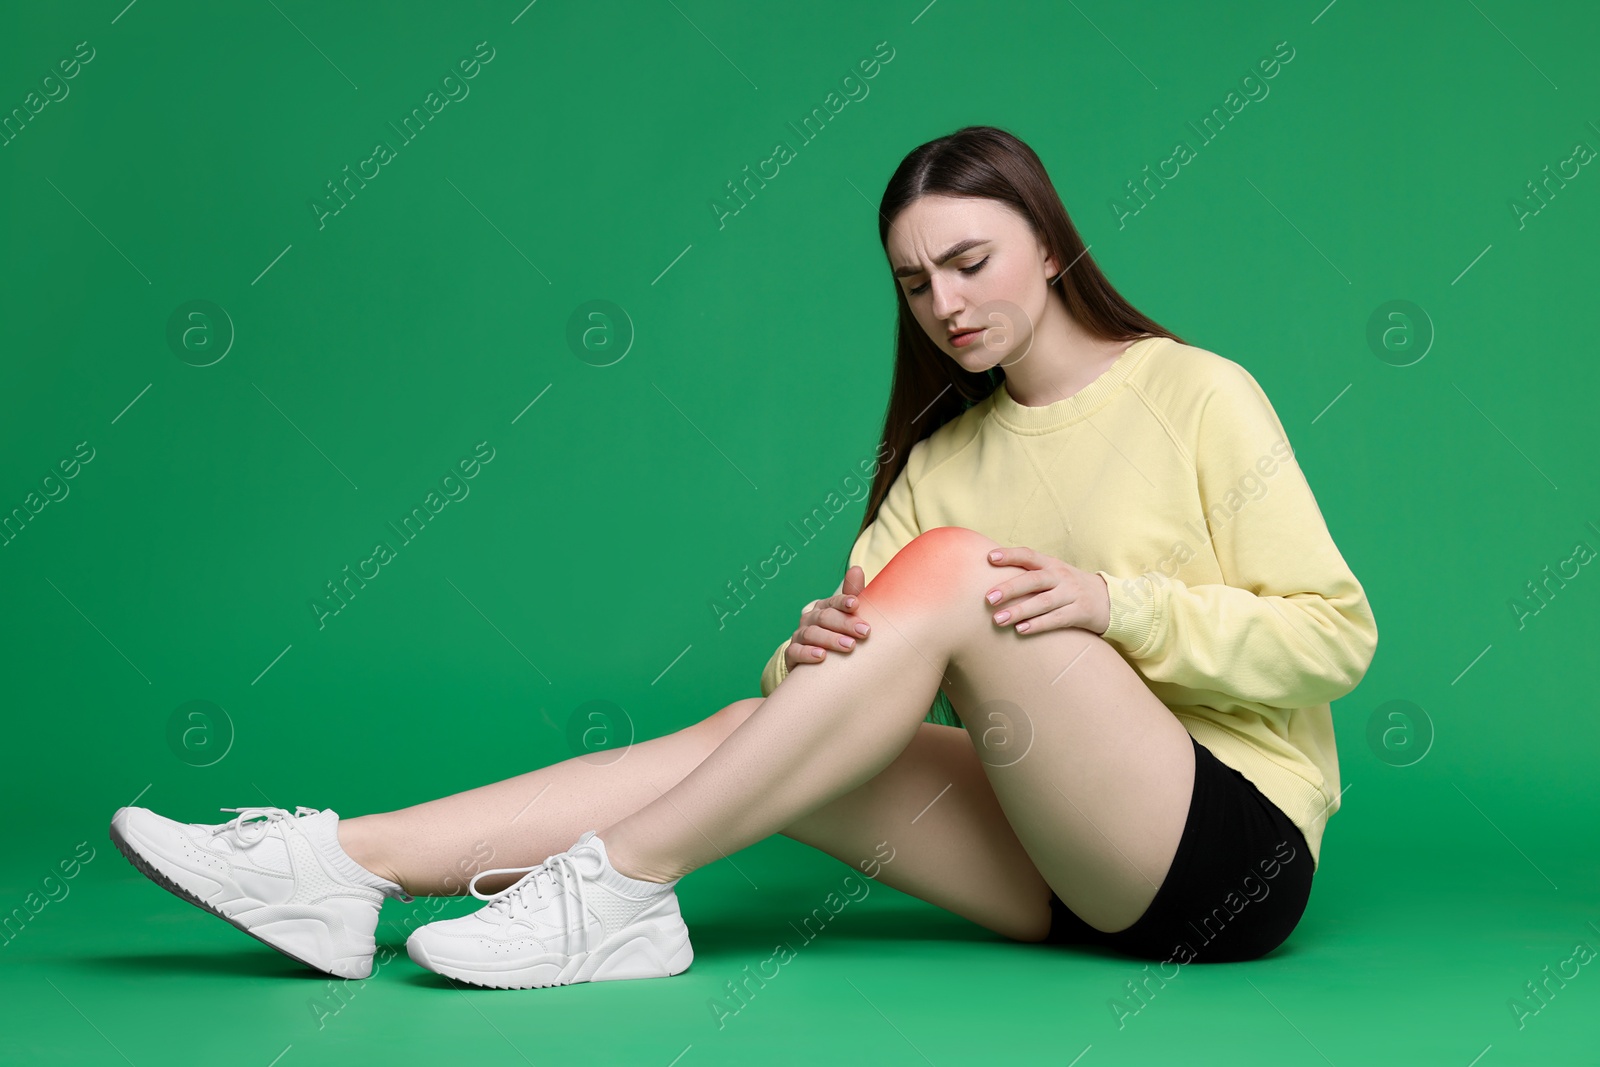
(1291, 627)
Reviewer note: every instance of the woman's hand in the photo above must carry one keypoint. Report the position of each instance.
(830, 623)
(1052, 596)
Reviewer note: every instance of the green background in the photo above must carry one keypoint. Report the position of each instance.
(373, 353)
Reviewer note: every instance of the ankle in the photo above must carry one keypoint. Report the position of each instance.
(361, 841)
(624, 862)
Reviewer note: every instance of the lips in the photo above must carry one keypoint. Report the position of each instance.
(962, 333)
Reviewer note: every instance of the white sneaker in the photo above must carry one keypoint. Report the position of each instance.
(281, 878)
(572, 918)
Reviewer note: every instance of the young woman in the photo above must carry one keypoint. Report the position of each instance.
(1088, 537)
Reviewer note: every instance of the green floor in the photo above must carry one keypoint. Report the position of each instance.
(1405, 956)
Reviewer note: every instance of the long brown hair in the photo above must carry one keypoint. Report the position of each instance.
(929, 388)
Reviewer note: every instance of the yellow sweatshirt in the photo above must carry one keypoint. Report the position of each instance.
(1171, 477)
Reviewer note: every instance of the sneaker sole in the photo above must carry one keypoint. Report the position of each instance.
(144, 867)
(605, 964)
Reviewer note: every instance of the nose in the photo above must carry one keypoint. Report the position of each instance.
(945, 305)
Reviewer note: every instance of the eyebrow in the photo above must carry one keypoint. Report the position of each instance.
(950, 253)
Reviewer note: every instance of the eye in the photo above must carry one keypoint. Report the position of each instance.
(975, 268)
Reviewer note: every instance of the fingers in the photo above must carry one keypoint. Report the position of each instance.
(844, 622)
(1054, 619)
(1016, 614)
(837, 632)
(830, 624)
(855, 580)
(845, 602)
(799, 654)
(812, 643)
(1011, 588)
(1016, 556)
(815, 642)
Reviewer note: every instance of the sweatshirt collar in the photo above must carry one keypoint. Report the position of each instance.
(1080, 405)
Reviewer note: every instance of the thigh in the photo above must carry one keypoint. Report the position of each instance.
(1092, 771)
(929, 825)
(1238, 885)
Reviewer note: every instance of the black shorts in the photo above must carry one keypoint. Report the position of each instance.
(1238, 884)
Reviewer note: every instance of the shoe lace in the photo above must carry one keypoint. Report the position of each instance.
(559, 872)
(244, 821)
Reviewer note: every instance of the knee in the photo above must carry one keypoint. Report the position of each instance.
(943, 561)
(944, 544)
(722, 722)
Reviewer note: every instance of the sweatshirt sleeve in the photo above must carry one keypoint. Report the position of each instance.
(1290, 626)
(890, 530)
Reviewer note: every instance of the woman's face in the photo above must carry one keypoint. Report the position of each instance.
(968, 263)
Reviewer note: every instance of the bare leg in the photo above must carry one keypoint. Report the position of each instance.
(434, 848)
(929, 825)
(1099, 801)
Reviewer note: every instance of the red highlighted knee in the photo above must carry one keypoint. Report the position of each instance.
(933, 565)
